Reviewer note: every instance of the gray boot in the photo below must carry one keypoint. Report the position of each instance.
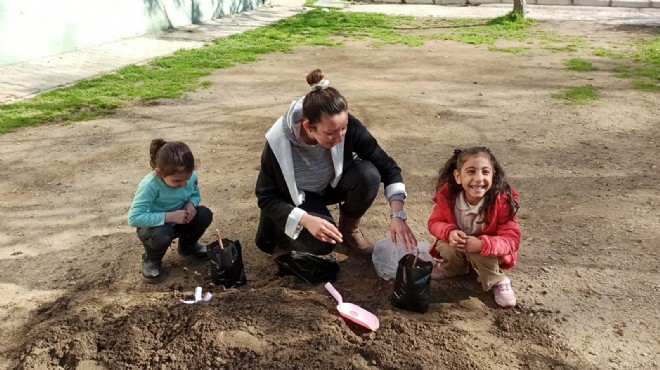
(151, 272)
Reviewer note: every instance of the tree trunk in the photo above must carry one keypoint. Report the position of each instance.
(519, 6)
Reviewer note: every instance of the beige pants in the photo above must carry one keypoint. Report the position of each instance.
(456, 263)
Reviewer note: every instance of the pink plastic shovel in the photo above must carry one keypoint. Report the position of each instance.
(353, 312)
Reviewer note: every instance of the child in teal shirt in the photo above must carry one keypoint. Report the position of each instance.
(166, 207)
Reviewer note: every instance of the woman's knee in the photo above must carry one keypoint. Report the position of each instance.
(367, 173)
(360, 186)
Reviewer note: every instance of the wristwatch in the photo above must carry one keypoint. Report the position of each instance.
(401, 214)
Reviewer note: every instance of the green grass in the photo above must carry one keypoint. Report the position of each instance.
(645, 85)
(607, 53)
(580, 65)
(511, 50)
(561, 48)
(578, 95)
(512, 21)
(648, 51)
(556, 43)
(175, 75)
(642, 62)
(509, 27)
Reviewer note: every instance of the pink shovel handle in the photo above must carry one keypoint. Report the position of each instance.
(334, 292)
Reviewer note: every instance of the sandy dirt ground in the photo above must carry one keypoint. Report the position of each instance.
(587, 278)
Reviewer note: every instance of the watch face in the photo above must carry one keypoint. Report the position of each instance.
(401, 214)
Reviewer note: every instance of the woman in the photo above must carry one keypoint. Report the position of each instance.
(318, 154)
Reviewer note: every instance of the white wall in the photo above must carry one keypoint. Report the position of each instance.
(34, 28)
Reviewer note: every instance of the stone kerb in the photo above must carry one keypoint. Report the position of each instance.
(596, 3)
(632, 3)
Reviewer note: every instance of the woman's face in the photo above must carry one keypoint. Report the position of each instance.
(330, 131)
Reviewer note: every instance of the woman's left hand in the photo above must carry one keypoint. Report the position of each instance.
(400, 231)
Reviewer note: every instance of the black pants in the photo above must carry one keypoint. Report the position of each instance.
(356, 191)
(157, 239)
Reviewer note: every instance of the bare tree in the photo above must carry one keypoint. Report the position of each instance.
(519, 6)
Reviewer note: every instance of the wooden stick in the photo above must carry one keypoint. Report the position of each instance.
(416, 256)
(217, 232)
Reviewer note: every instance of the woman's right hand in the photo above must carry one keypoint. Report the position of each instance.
(177, 217)
(321, 229)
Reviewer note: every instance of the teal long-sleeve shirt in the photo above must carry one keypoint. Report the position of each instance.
(154, 198)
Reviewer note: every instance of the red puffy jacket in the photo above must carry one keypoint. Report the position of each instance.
(501, 237)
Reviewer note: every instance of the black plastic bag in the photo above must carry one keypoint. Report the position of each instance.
(310, 268)
(227, 267)
(412, 284)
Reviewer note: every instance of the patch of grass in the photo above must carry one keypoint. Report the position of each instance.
(607, 53)
(513, 21)
(511, 50)
(623, 71)
(554, 42)
(561, 49)
(578, 95)
(578, 42)
(175, 75)
(580, 65)
(476, 32)
(648, 51)
(552, 37)
(650, 72)
(646, 85)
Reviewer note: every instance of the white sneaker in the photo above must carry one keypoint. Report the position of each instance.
(504, 295)
(438, 271)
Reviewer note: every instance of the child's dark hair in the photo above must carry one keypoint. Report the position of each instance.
(171, 157)
(321, 100)
(499, 185)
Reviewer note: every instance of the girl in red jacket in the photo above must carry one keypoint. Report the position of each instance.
(475, 222)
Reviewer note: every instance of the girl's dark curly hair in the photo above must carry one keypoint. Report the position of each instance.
(499, 185)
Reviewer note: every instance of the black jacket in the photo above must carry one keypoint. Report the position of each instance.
(273, 194)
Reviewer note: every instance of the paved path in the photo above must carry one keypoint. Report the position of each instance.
(630, 16)
(24, 80)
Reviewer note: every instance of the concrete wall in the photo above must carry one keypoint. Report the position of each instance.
(31, 29)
